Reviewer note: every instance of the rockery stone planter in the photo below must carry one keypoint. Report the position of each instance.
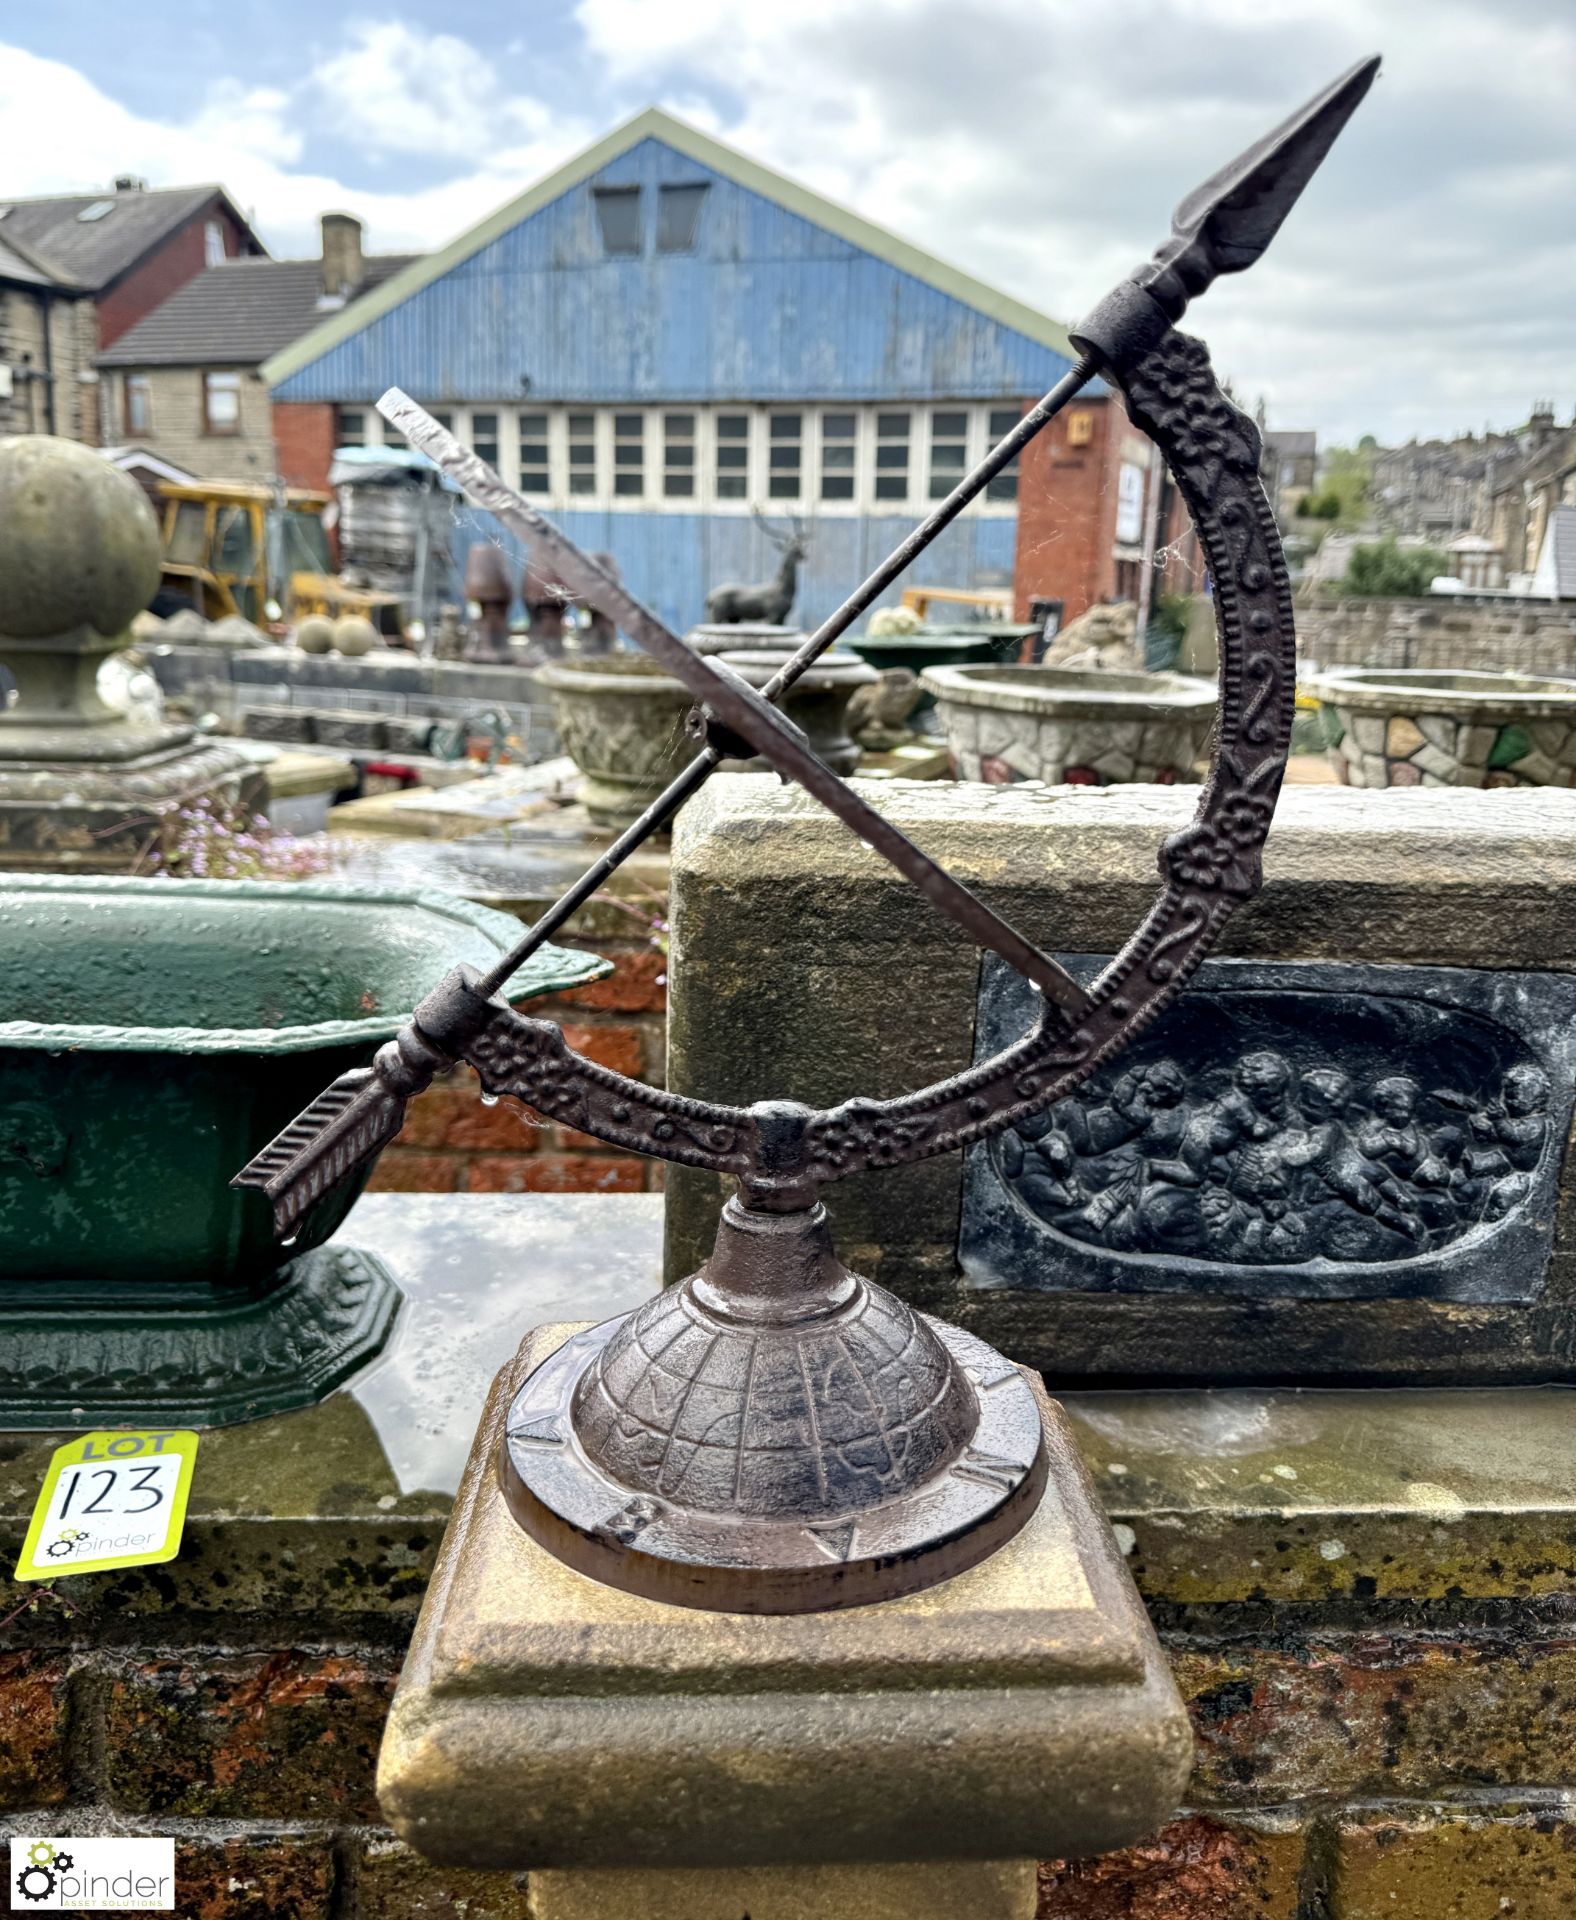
(1008, 723)
(621, 720)
(1409, 727)
(154, 1036)
(817, 701)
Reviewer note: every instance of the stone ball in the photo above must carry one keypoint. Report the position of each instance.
(81, 543)
(354, 634)
(315, 634)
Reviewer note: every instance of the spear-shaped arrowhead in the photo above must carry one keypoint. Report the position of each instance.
(1224, 225)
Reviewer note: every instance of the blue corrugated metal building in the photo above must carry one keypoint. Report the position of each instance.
(664, 339)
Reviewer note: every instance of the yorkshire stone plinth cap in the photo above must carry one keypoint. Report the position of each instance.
(81, 543)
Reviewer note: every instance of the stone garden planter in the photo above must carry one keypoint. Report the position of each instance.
(621, 720)
(818, 700)
(154, 1035)
(1408, 727)
(1007, 723)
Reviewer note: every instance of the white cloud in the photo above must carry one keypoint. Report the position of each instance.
(394, 89)
(250, 140)
(1426, 281)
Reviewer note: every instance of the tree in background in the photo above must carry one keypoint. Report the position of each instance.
(1387, 570)
(1343, 496)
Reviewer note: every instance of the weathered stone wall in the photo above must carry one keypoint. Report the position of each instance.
(1490, 636)
(806, 968)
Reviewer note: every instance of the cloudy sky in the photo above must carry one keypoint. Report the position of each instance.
(1427, 282)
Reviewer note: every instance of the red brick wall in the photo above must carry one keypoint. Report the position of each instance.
(151, 282)
(303, 441)
(452, 1142)
(1067, 511)
(1067, 499)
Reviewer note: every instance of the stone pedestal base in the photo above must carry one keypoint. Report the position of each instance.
(1021, 1709)
(102, 816)
(918, 1890)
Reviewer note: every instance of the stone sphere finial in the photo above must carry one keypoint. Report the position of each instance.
(79, 544)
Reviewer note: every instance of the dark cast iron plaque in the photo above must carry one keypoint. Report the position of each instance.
(1328, 1131)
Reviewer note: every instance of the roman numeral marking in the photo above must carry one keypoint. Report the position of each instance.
(835, 1542)
(989, 1470)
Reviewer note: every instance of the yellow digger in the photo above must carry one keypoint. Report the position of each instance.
(232, 548)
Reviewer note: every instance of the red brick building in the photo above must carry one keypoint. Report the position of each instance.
(79, 270)
(1092, 498)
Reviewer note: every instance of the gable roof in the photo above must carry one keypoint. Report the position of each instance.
(654, 123)
(19, 267)
(238, 313)
(91, 253)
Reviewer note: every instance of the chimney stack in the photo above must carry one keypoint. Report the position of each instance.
(344, 269)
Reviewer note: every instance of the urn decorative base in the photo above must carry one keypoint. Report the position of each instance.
(142, 1355)
(1019, 1709)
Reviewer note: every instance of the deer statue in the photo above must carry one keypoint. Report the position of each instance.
(770, 601)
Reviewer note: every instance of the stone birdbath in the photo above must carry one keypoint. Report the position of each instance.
(1409, 727)
(818, 700)
(154, 1034)
(621, 720)
(1061, 725)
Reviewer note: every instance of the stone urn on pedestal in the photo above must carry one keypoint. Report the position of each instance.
(83, 784)
(621, 720)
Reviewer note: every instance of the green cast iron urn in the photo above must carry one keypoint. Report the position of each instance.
(154, 1035)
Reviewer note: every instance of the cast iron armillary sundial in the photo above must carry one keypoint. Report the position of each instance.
(777, 1434)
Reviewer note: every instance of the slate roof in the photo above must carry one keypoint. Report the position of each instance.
(237, 314)
(91, 253)
(17, 267)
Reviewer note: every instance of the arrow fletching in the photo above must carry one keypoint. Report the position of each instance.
(346, 1127)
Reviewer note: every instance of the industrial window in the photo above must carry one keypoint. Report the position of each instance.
(786, 434)
(212, 243)
(1005, 485)
(350, 428)
(629, 453)
(838, 441)
(533, 453)
(618, 215)
(678, 455)
(139, 403)
(949, 439)
(484, 435)
(678, 217)
(892, 456)
(582, 453)
(221, 403)
(733, 456)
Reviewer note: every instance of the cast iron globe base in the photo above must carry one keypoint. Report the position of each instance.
(776, 1435)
